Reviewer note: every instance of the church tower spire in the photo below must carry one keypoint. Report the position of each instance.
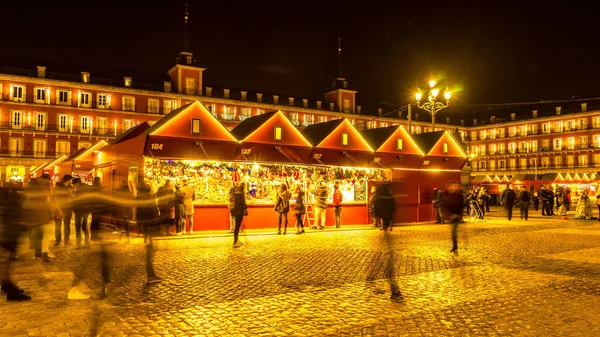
(340, 98)
(185, 56)
(339, 82)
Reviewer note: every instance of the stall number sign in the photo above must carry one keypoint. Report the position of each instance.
(77, 165)
(376, 160)
(317, 156)
(246, 151)
(156, 146)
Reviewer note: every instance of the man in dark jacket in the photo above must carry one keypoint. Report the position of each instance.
(437, 204)
(524, 199)
(508, 199)
(63, 198)
(453, 204)
(376, 222)
(385, 205)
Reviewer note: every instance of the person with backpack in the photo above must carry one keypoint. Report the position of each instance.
(524, 200)
(508, 200)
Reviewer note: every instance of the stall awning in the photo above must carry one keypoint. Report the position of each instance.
(549, 176)
(519, 177)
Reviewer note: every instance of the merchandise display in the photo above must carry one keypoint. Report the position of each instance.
(213, 180)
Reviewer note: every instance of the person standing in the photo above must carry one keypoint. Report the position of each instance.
(551, 196)
(63, 198)
(437, 204)
(453, 204)
(338, 197)
(488, 200)
(178, 198)
(385, 205)
(300, 210)
(230, 207)
(165, 201)
(282, 207)
(508, 199)
(321, 196)
(81, 206)
(189, 196)
(239, 210)
(598, 205)
(567, 199)
(524, 200)
(376, 222)
(536, 201)
(482, 200)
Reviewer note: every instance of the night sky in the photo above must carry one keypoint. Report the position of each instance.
(491, 53)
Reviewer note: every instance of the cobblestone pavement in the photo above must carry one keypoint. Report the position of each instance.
(517, 278)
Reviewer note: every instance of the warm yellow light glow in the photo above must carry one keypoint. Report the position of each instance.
(115, 124)
(353, 129)
(432, 83)
(288, 122)
(424, 169)
(435, 92)
(418, 96)
(447, 95)
(29, 118)
(92, 149)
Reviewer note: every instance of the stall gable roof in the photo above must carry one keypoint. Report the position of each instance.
(178, 124)
(131, 133)
(385, 140)
(454, 148)
(356, 142)
(316, 133)
(432, 143)
(57, 161)
(426, 141)
(261, 129)
(87, 152)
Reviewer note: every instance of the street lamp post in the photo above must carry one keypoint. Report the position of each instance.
(432, 105)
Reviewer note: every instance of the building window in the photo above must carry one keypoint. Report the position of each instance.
(84, 145)
(533, 162)
(63, 147)
(545, 162)
(473, 135)
(583, 160)
(347, 106)
(127, 124)
(512, 163)
(570, 125)
(596, 122)
(259, 111)
(16, 146)
(558, 126)
(492, 133)
(227, 114)
(570, 161)
(85, 124)
(583, 123)
(557, 161)
(502, 164)
(39, 148)
(492, 149)
(321, 119)
(597, 159)
(212, 108)
(445, 148)
(492, 165)
(534, 129)
(501, 148)
(308, 119)
(17, 119)
(583, 142)
(482, 150)
(522, 147)
(128, 103)
(512, 131)
(512, 147)
(103, 101)
(196, 126)
(64, 97)
(190, 86)
(245, 113)
(534, 146)
(483, 134)
(344, 139)
(153, 105)
(63, 123)
(102, 126)
(501, 133)
(399, 144)
(523, 130)
(294, 118)
(545, 144)
(545, 127)
(84, 99)
(170, 105)
(17, 93)
(557, 144)
(40, 121)
(278, 133)
(523, 163)
(41, 95)
(571, 143)
(482, 165)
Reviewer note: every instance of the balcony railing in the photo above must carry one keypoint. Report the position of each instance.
(227, 116)
(108, 131)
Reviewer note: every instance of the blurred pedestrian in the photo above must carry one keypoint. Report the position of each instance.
(100, 209)
(551, 197)
(301, 210)
(437, 204)
(385, 205)
(37, 215)
(453, 204)
(178, 198)
(63, 199)
(376, 222)
(82, 208)
(524, 199)
(536, 201)
(482, 200)
(11, 202)
(239, 210)
(123, 208)
(147, 217)
(508, 200)
(338, 198)
(230, 207)
(282, 207)
(320, 206)
(165, 202)
(189, 196)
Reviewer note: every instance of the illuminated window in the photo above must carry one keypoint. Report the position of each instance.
(103, 101)
(40, 95)
(196, 126)
(39, 148)
(63, 147)
(344, 139)
(278, 133)
(40, 121)
(128, 103)
(153, 105)
(85, 124)
(347, 105)
(85, 99)
(63, 123)
(64, 97)
(127, 124)
(17, 119)
(190, 86)
(17, 93)
(445, 148)
(102, 125)
(399, 144)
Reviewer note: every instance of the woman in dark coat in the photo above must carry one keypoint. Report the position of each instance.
(238, 210)
(300, 210)
(385, 205)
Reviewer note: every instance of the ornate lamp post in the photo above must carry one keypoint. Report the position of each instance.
(432, 105)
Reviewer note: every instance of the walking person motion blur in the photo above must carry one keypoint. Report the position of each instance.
(178, 198)
(482, 200)
(301, 210)
(82, 208)
(165, 201)
(63, 199)
(189, 195)
(229, 208)
(338, 197)
(37, 215)
(536, 201)
(147, 217)
(10, 231)
(123, 208)
(321, 196)
(524, 200)
(385, 205)
(453, 205)
(239, 209)
(100, 210)
(282, 206)
(508, 200)
(376, 222)
(437, 203)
